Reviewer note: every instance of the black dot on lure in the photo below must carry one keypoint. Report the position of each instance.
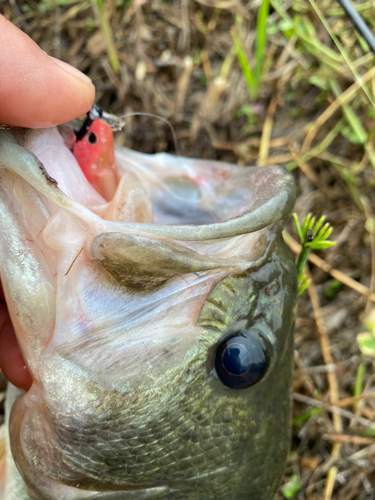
(242, 360)
(92, 138)
(95, 113)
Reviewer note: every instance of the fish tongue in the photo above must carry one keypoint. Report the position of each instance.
(131, 202)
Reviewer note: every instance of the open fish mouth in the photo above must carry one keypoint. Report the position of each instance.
(111, 306)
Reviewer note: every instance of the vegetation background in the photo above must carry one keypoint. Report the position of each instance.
(259, 91)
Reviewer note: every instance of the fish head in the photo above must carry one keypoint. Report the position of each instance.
(157, 327)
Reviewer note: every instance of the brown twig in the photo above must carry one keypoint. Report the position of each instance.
(370, 226)
(345, 97)
(266, 132)
(305, 376)
(304, 166)
(331, 478)
(355, 399)
(327, 356)
(333, 409)
(344, 438)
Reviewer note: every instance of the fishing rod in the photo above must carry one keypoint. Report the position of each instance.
(358, 23)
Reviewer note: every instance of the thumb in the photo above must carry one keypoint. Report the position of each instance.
(37, 90)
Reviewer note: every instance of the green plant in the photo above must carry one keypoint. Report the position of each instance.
(313, 235)
(332, 288)
(366, 340)
(108, 36)
(302, 419)
(253, 75)
(292, 487)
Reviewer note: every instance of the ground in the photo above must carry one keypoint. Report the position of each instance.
(177, 60)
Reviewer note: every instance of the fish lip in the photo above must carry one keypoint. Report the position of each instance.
(133, 490)
(273, 204)
(134, 494)
(273, 200)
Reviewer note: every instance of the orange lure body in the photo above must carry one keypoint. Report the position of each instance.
(95, 154)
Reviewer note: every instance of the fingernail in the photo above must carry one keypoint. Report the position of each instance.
(70, 69)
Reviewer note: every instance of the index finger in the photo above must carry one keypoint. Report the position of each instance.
(37, 90)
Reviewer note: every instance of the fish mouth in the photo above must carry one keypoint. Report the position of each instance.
(190, 204)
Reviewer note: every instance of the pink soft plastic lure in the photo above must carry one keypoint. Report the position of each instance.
(95, 154)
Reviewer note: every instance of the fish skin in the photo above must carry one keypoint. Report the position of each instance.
(154, 425)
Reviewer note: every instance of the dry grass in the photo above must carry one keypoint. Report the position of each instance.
(177, 60)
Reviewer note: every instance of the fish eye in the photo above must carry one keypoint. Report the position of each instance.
(242, 360)
(92, 138)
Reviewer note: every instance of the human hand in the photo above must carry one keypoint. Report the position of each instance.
(35, 91)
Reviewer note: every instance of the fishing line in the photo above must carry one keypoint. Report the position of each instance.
(117, 123)
(358, 23)
(343, 52)
(165, 120)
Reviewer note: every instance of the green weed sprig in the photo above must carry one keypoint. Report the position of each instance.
(108, 35)
(313, 235)
(253, 76)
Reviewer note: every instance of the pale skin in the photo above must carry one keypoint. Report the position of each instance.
(36, 91)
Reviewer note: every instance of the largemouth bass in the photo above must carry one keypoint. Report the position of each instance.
(157, 326)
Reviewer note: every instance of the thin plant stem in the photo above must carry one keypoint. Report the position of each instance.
(302, 259)
(108, 37)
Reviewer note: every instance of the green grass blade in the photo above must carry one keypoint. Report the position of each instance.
(350, 115)
(359, 380)
(306, 416)
(245, 65)
(108, 38)
(261, 40)
(343, 52)
(277, 5)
